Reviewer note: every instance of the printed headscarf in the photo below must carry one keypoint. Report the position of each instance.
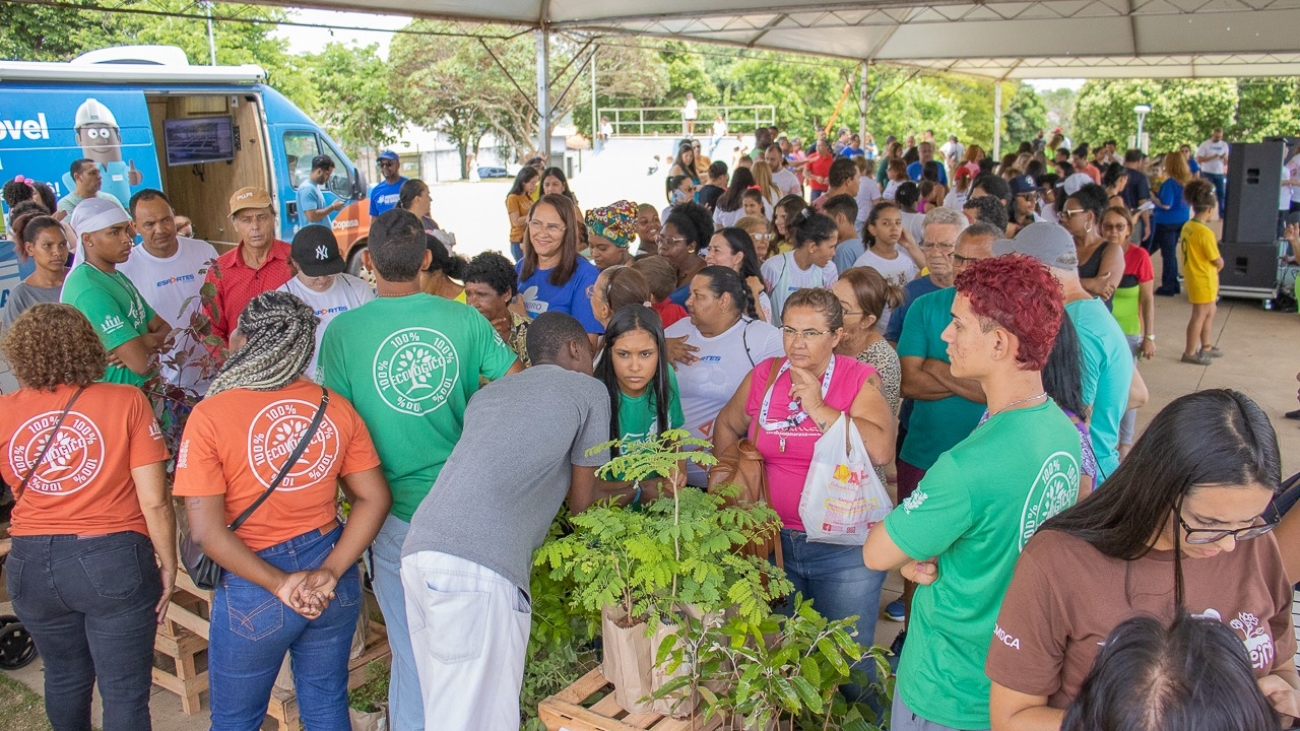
(616, 222)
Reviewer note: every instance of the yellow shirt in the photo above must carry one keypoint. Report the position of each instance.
(1200, 250)
(518, 204)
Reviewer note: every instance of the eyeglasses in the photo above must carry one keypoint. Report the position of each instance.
(759, 236)
(1031, 195)
(554, 229)
(959, 260)
(1114, 227)
(940, 245)
(1202, 536)
(810, 335)
(1067, 212)
(386, 163)
(671, 240)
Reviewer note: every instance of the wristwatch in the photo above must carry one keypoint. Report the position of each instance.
(1152, 338)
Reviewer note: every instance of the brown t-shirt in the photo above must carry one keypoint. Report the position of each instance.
(1066, 597)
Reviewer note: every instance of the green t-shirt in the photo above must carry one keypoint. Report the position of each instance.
(1124, 308)
(1107, 375)
(637, 416)
(975, 510)
(410, 365)
(116, 310)
(935, 426)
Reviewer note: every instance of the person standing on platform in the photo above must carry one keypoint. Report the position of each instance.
(1212, 156)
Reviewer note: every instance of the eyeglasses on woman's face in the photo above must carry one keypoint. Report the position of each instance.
(1202, 536)
(790, 333)
(1066, 213)
(538, 226)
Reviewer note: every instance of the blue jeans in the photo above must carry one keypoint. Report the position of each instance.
(1220, 183)
(405, 701)
(839, 585)
(1165, 241)
(89, 604)
(252, 629)
(517, 251)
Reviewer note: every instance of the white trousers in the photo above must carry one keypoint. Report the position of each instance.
(469, 631)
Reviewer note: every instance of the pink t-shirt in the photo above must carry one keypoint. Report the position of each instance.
(788, 470)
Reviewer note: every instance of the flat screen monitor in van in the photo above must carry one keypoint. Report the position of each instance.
(199, 140)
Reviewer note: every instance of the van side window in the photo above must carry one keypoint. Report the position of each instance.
(299, 149)
(339, 183)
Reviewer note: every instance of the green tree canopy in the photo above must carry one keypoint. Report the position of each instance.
(1183, 111)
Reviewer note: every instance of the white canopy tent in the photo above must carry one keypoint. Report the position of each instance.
(997, 39)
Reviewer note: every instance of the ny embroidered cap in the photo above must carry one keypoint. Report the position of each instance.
(96, 214)
(1049, 243)
(249, 198)
(316, 251)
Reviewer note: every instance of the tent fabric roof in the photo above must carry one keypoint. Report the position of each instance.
(1001, 39)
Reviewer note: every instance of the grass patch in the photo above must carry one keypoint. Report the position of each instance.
(21, 709)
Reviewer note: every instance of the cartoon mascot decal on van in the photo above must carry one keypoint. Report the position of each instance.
(100, 140)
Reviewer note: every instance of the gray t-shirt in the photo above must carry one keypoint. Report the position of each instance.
(22, 297)
(509, 473)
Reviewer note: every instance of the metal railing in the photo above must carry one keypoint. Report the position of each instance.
(669, 122)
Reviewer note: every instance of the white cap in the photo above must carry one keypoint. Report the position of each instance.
(96, 214)
(92, 112)
(1076, 181)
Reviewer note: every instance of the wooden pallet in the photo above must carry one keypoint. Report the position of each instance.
(183, 639)
(284, 704)
(569, 710)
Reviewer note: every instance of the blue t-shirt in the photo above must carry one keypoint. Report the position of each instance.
(1171, 194)
(914, 172)
(573, 297)
(384, 196)
(310, 198)
(1107, 374)
(1194, 166)
(680, 295)
(911, 291)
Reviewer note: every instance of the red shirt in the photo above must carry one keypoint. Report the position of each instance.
(819, 166)
(237, 284)
(669, 311)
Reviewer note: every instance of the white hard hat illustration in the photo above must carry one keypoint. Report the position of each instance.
(92, 112)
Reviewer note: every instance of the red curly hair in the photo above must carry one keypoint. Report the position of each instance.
(1017, 293)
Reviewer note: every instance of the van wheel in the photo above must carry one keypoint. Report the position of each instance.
(357, 269)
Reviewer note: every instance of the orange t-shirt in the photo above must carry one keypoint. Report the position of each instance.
(83, 486)
(236, 442)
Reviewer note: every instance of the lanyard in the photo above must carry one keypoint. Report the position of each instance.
(798, 415)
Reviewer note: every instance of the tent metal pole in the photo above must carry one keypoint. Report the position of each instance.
(997, 121)
(862, 107)
(595, 130)
(543, 95)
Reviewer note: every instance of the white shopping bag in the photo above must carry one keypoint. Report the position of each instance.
(842, 497)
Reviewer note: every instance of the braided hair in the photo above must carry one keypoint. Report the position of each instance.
(281, 333)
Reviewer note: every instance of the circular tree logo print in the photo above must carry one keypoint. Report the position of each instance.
(1056, 489)
(276, 432)
(416, 370)
(74, 459)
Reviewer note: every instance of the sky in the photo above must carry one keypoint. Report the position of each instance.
(312, 39)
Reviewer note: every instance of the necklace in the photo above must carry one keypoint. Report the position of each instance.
(403, 294)
(1018, 401)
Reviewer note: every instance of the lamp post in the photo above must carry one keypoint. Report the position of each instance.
(1141, 111)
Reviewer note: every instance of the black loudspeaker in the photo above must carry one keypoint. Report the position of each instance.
(1254, 184)
(1249, 266)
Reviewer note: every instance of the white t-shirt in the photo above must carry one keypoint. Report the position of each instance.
(787, 181)
(171, 287)
(782, 276)
(691, 110)
(899, 270)
(955, 200)
(1208, 148)
(868, 194)
(891, 187)
(707, 384)
(915, 225)
(1291, 171)
(347, 293)
(719, 128)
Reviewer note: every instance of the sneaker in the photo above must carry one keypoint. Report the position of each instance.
(1198, 359)
(896, 647)
(1211, 351)
(896, 611)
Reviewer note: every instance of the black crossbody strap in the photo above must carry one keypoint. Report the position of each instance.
(288, 465)
(48, 443)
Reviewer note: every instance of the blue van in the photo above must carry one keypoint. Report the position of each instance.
(151, 120)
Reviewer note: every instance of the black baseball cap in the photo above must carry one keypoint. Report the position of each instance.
(316, 251)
